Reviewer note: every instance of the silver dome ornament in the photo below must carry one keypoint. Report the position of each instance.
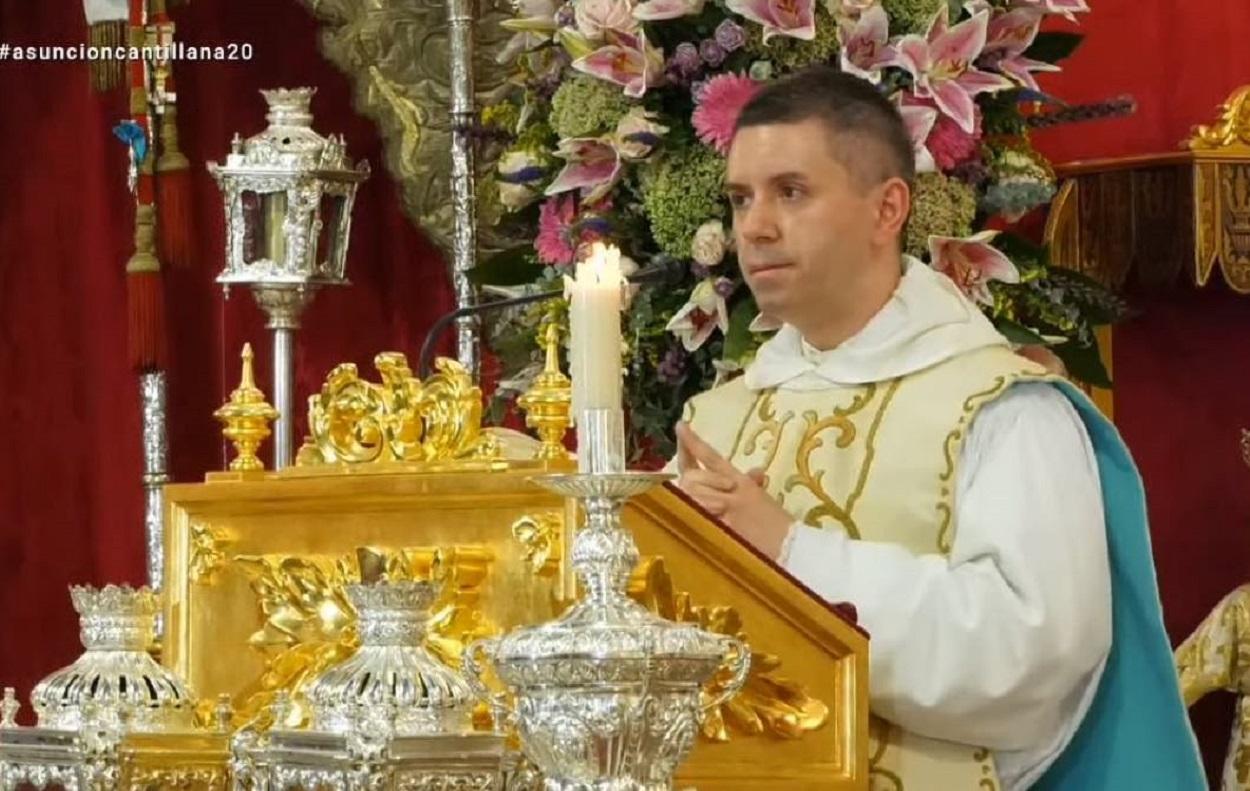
(115, 684)
(393, 683)
(608, 697)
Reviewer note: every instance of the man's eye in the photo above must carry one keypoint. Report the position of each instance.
(737, 201)
(791, 193)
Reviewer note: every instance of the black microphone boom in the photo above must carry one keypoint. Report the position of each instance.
(653, 272)
(427, 346)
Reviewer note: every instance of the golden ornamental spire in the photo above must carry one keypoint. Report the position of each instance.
(548, 402)
(246, 418)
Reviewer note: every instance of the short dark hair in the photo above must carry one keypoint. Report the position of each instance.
(869, 137)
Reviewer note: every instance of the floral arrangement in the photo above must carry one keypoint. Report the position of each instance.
(617, 124)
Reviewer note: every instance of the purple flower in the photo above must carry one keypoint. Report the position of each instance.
(700, 271)
(724, 287)
(672, 365)
(713, 54)
(685, 59)
(566, 16)
(730, 35)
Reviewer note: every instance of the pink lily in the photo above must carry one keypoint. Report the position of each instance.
(596, 18)
(702, 315)
(1068, 8)
(593, 166)
(658, 10)
(865, 44)
(1008, 37)
(534, 26)
(794, 18)
(972, 263)
(919, 121)
(627, 60)
(940, 63)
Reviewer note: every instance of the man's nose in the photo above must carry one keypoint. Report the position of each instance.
(758, 223)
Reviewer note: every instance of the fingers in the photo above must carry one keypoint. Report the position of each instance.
(706, 479)
(685, 457)
(714, 503)
(757, 477)
(696, 450)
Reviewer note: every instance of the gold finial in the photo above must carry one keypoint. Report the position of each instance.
(1230, 130)
(548, 402)
(246, 417)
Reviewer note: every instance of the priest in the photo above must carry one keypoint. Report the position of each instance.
(889, 448)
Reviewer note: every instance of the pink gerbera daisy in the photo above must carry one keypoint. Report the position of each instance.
(559, 222)
(720, 103)
(554, 218)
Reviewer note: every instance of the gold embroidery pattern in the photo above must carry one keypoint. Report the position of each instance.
(879, 778)
(1217, 657)
(811, 441)
(767, 415)
(954, 441)
(986, 759)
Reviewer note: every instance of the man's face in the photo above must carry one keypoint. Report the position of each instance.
(805, 228)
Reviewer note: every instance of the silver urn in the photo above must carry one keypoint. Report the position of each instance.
(116, 682)
(608, 697)
(392, 676)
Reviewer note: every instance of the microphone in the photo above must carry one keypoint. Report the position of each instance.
(662, 266)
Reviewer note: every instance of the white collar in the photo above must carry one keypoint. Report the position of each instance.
(926, 321)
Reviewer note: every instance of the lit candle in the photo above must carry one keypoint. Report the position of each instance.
(595, 327)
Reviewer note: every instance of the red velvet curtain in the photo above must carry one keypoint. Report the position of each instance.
(70, 500)
(71, 467)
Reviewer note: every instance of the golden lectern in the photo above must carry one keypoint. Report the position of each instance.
(412, 487)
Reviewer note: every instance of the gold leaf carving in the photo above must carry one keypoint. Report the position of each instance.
(207, 552)
(308, 625)
(768, 703)
(354, 421)
(1231, 129)
(541, 535)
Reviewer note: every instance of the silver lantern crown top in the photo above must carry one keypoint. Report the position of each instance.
(288, 198)
(115, 682)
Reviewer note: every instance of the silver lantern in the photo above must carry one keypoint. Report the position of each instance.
(288, 195)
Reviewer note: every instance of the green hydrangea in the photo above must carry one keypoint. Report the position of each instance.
(586, 106)
(941, 206)
(790, 54)
(681, 192)
(1016, 198)
(504, 115)
(1021, 179)
(536, 137)
(910, 16)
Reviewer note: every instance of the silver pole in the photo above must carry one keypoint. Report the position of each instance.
(283, 396)
(460, 19)
(155, 472)
(284, 306)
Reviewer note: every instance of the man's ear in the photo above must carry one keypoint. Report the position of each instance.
(893, 208)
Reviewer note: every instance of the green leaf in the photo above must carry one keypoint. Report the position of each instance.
(512, 267)
(738, 340)
(1018, 333)
(1021, 251)
(1084, 363)
(1054, 46)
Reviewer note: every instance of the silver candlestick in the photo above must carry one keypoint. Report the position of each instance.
(608, 697)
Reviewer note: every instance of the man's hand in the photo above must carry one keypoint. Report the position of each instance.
(738, 499)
